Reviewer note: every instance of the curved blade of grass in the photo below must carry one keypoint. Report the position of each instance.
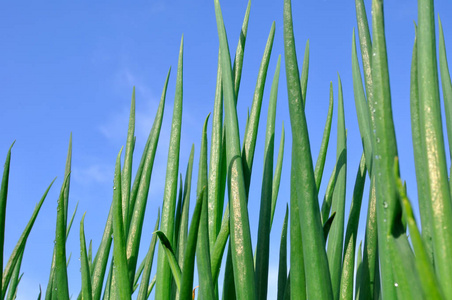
(240, 51)
(216, 255)
(101, 258)
(327, 225)
(297, 266)
(242, 256)
(163, 282)
(171, 257)
(359, 270)
(178, 214)
(69, 226)
(420, 167)
(15, 279)
(385, 150)
(67, 171)
(303, 187)
(126, 175)
(406, 279)
(144, 284)
(446, 84)
(123, 288)
(328, 197)
(362, 108)
(60, 285)
(348, 268)
(366, 48)
(429, 281)
(277, 176)
(249, 141)
(3, 199)
(304, 73)
(206, 286)
(151, 285)
(320, 164)
(20, 246)
(136, 225)
(108, 284)
(263, 237)
(183, 232)
(86, 277)
(434, 153)
(213, 197)
(336, 237)
(282, 269)
(189, 262)
(368, 282)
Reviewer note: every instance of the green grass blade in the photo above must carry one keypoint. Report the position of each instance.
(101, 258)
(123, 288)
(348, 269)
(183, 232)
(86, 277)
(126, 175)
(240, 51)
(336, 237)
(108, 285)
(263, 237)
(15, 279)
(320, 164)
(277, 175)
(327, 225)
(242, 256)
(385, 149)
(425, 209)
(434, 153)
(429, 281)
(303, 187)
(60, 282)
(362, 108)
(359, 270)
(249, 141)
(163, 282)
(368, 282)
(282, 269)
(20, 245)
(69, 225)
(365, 46)
(178, 214)
(206, 286)
(151, 286)
(67, 171)
(3, 199)
(446, 84)
(297, 266)
(328, 197)
(304, 73)
(217, 252)
(171, 257)
(144, 284)
(213, 197)
(136, 225)
(189, 262)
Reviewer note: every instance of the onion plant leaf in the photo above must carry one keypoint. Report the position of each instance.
(163, 282)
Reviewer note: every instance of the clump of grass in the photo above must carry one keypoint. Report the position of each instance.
(391, 264)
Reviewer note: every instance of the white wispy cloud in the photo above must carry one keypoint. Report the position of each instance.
(96, 173)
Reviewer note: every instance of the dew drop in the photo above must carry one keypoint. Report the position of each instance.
(378, 140)
(114, 188)
(385, 204)
(396, 284)
(384, 220)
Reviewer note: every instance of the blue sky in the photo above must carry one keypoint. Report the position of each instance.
(70, 67)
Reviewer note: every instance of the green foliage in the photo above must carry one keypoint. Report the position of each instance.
(391, 264)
